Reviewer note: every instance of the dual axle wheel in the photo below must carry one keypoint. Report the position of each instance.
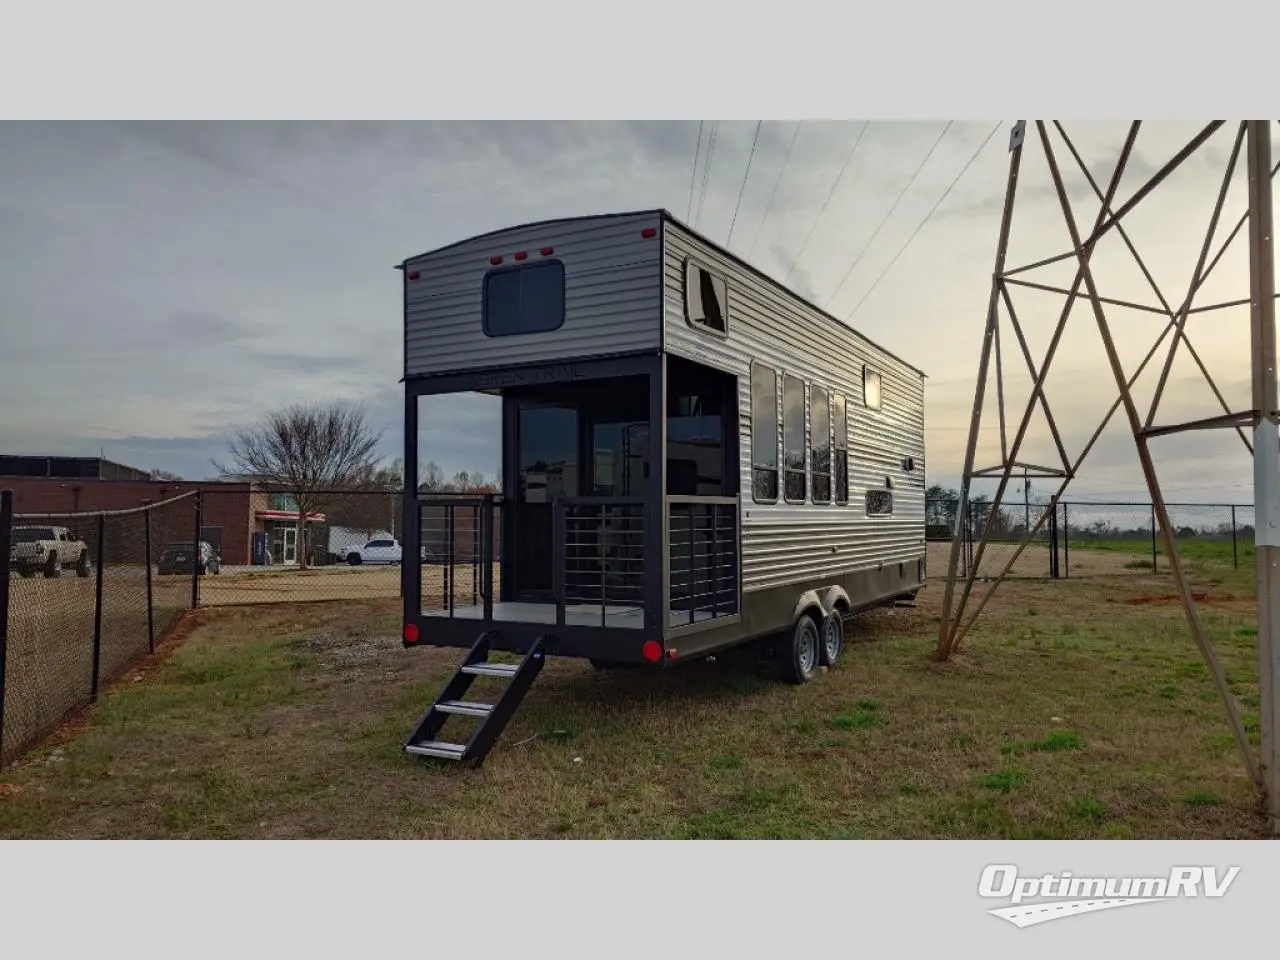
(813, 643)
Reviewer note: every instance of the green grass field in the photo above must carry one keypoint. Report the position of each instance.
(1079, 709)
(1192, 549)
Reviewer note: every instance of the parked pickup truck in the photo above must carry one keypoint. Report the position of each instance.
(48, 549)
(375, 551)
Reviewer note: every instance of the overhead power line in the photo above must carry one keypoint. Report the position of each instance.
(693, 174)
(706, 168)
(745, 177)
(774, 192)
(932, 210)
(821, 213)
(876, 232)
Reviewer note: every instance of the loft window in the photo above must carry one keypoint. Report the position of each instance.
(871, 388)
(879, 503)
(820, 442)
(706, 299)
(526, 299)
(764, 434)
(793, 440)
(840, 421)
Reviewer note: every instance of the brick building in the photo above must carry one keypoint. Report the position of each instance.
(232, 511)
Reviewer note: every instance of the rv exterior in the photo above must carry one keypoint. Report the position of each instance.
(693, 456)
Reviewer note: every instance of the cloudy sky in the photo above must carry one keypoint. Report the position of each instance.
(163, 282)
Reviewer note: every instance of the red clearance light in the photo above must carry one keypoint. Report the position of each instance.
(648, 233)
(410, 633)
(495, 259)
(522, 255)
(547, 251)
(413, 274)
(651, 651)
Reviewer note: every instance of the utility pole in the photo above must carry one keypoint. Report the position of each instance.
(1266, 456)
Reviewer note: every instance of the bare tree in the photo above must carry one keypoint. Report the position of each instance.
(373, 503)
(306, 451)
(158, 474)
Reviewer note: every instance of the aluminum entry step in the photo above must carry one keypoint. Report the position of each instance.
(437, 748)
(465, 708)
(491, 669)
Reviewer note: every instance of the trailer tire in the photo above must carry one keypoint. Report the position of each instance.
(799, 657)
(83, 568)
(832, 639)
(53, 567)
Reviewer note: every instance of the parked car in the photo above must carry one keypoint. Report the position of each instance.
(376, 551)
(178, 558)
(48, 549)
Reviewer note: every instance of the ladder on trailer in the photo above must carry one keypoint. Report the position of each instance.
(493, 717)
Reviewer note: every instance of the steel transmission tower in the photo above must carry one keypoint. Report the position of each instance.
(1256, 426)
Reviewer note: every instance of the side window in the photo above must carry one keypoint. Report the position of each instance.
(820, 442)
(706, 299)
(527, 299)
(879, 503)
(840, 420)
(871, 388)
(793, 440)
(764, 434)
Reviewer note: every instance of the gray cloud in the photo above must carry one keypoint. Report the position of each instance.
(186, 276)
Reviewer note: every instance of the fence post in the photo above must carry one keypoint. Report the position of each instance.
(6, 535)
(151, 613)
(1066, 543)
(1155, 566)
(97, 609)
(195, 559)
(1053, 543)
(1235, 549)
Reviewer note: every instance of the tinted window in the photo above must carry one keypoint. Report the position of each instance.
(820, 443)
(764, 433)
(706, 297)
(31, 534)
(879, 503)
(380, 543)
(548, 461)
(695, 438)
(793, 438)
(871, 388)
(840, 420)
(526, 299)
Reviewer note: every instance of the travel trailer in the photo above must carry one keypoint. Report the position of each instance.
(693, 457)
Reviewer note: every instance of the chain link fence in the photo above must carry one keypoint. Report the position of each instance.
(82, 602)
(1084, 539)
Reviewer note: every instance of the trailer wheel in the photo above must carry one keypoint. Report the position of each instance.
(83, 568)
(53, 567)
(832, 639)
(799, 658)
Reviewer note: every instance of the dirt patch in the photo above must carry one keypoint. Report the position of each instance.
(1148, 599)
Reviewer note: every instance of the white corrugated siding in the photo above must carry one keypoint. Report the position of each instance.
(613, 279)
(783, 543)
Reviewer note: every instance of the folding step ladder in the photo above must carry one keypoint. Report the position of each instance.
(493, 717)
